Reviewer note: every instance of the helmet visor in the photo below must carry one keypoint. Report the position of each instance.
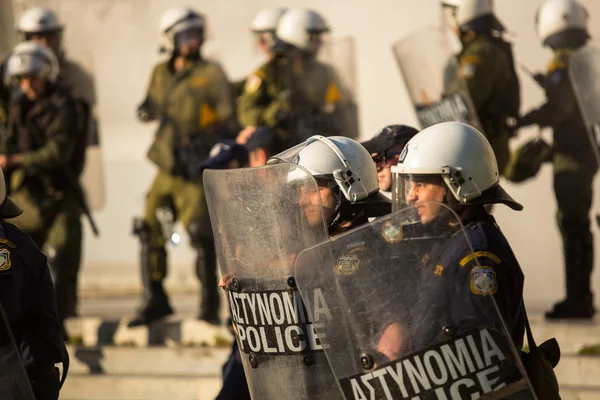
(421, 191)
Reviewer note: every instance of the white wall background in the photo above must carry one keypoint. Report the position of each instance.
(119, 39)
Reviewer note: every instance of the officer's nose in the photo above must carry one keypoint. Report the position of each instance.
(411, 194)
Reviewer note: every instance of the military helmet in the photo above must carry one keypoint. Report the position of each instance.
(176, 20)
(39, 20)
(342, 159)
(32, 58)
(297, 27)
(556, 20)
(266, 20)
(462, 156)
(477, 15)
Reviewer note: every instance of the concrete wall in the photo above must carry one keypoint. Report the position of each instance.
(119, 39)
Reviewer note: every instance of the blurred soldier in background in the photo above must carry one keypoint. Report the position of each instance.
(191, 97)
(45, 151)
(41, 25)
(293, 92)
(486, 64)
(263, 28)
(562, 26)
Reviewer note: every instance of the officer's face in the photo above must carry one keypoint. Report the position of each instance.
(188, 42)
(314, 200)
(384, 162)
(32, 86)
(424, 194)
(264, 41)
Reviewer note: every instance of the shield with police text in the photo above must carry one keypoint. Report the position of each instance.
(262, 218)
(584, 70)
(14, 382)
(412, 311)
(432, 77)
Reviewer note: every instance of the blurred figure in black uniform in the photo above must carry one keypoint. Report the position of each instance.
(27, 297)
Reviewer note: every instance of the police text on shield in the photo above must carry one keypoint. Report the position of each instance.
(466, 367)
(276, 322)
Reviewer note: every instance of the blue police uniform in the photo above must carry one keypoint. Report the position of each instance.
(457, 281)
(27, 296)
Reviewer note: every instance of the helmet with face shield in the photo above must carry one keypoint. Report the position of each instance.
(343, 169)
(450, 157)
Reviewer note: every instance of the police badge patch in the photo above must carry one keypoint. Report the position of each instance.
(347, 264)
(5, 263)
(392, 233)
(483, 281)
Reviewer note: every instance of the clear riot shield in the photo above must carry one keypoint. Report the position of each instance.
(401, 325)
(340, 54)
(79, 76)
(584, 70)
(262, 218)
(14, 383)
(431, 74)
(7, 39)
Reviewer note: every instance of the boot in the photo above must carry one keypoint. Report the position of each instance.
(206, 265)
(155, 301)
(579, 260)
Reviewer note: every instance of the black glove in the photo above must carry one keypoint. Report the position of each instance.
(145, 112)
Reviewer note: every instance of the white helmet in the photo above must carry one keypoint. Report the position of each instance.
(556, 16)
(266, 20)
(39, 20)
(31, 58)
(468, 11)
(296, 26)
(464, 159)
(339, 158)
(176, 20)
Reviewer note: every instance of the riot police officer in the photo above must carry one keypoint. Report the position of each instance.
(329, 185)
(463, 175)
(263, 29)
(562, 26)
(191, 98)
(44, 151)
(41, 25)
(486, 64)
(294, 93)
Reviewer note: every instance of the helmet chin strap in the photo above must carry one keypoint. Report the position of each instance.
(337, 211)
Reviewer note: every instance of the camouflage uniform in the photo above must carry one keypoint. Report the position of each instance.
(48, 134)
(192, 105)
(574, 170)
(64, 239)
(486, 64)
(296, 97)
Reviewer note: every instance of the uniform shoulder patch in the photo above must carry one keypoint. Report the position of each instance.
(479, 254)
(199, 81)
(467, 70)
(349, 262)
(483, 281)
(555, 77)
(5, 263)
